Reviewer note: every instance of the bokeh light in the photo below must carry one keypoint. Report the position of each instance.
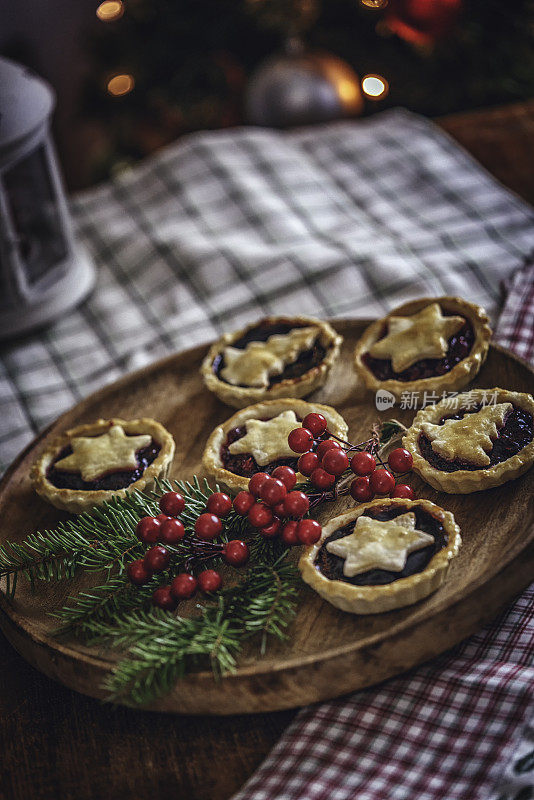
(110, 10)
(375, 87)
(120, 84)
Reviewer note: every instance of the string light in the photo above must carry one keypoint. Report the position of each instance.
(120, 84)
(110, 10)
(375, 87)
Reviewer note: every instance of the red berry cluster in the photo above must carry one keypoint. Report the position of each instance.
(274, 507)
(324, 460)
(168, 529)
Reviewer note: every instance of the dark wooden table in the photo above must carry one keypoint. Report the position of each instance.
(58, 745)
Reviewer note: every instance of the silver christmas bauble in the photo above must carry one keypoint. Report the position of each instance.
(302, 88)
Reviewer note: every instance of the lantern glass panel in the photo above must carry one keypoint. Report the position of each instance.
(35, 215)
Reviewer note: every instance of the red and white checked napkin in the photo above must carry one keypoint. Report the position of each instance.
(457, 727)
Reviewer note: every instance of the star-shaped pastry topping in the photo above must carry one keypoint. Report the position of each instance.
(258, 361)
(267, 441)
(113, 451)
(469, 438)
(410, 339)
(376, 544)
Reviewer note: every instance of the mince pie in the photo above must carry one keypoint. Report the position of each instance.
(487, 439)
(254, 439)
(432, 344)
(275, 357)
(87, 465)
(382, 555)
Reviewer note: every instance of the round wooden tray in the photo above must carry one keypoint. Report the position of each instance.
(328, 653)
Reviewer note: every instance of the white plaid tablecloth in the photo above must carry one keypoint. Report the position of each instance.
(348, 219)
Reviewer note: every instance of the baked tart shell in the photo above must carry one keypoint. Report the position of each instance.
(211, 459)
(301, 386)
(456, 378)
(77, 501)
(377, 599)
(463, 481)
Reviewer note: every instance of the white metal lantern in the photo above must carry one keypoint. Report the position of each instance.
(43, 271)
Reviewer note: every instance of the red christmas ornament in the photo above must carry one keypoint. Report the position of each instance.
(209, 581)
(219, 503)
(148, 529)
(163, 598)
(308, 531)
(208, 526)
(422, 22)
(172, 503)
(300, 440)
(236, 553)
(287, 475)
(172, 531)
(184, 586)
(315, 423)
(243, 502)
(254, 484)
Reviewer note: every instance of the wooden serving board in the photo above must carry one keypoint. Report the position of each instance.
(328, 653)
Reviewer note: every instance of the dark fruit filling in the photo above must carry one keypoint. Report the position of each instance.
(516, 433)
(110, 481)
(331, 566)
(244, 463)
(260, 333)
(460, 345)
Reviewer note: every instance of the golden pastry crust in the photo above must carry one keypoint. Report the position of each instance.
(399, 593)
(463, 481)
(301, 386)
(76, 501)
(267, 410)
(457, 377)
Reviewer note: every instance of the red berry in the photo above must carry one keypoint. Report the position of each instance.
(296, 504)
(163, 517)
(243, 502)
(289, 533)
(235, 553)
(209, 580)
(287, 475)
(326, 445)
(163, 598)
(138, 573)
(308, 531)
(335, 461)
(172, 531)
(260, 515)
(363, 463)
(400, 460)
(307, 463)
(271, 530)
(183, 586)
(403, 490)
(361, 490)
(254, 484)
(208, 526)
(381, 481)
(172, 503)
(272, 491)
(315, 423)
(148, 529)
(300, 440)
(219, 503)
(157, 558)
(279, 510)
(322, 479)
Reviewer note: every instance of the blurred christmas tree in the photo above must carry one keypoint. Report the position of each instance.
(162, 68)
